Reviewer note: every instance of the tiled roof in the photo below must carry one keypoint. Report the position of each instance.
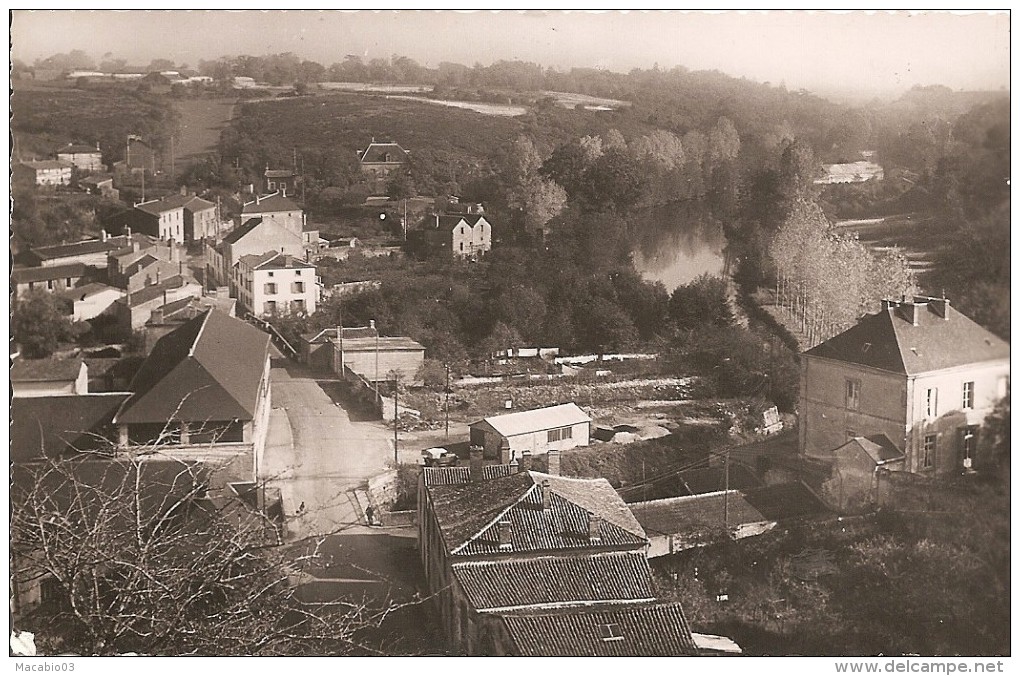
(163, 205)
(79, 149)
(155, 291)
(270, 203)
(890, 342)
(469, 515)
(692, 513)
(46, 272)
(51, 425)
(45, 370)
(659, 630)
(237, 233)
(449, 476)
(42, 165)
(878, 447)
(274, 260)
(279, 173)
(449, 222)
(254, 260)
(391, 343)
(536, 420)
(376, 152)
(584, 579)
(785, 501)
(89, 246)
(198, 204)
(144, 261)
(208, 369)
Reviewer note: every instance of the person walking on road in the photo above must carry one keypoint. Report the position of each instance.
(369, 514)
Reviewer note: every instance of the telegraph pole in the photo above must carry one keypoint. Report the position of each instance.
(726, 493)
(396, 389)
(447, 401)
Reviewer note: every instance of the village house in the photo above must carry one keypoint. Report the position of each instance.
(449, 235)
(918, 371)
(675, 524)
(89, 301)
(856, 472)
(376, 358)
(162, 218)
(84, 158)
(255, 237)
(47, 278)
(44, 173)
(167, 318)
(540, 430)
(135, 308)
(273, 284)
(283, 181)
(90, 252)
(200, 219)
(99, 184)
(276, 208)
(140, 268)
(519, 562)
(49, 377)
(380, 160)
(207, 383)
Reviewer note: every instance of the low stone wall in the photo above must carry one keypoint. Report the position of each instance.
(408, 517)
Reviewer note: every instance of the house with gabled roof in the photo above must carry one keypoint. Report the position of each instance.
(278, 208)
(380, 160)
(90, 252)
(452, 236)
(856, 472)
(204, 385)
(539, 430)
(47, 278)
(83, 157)
(275, 283)
(519, 562)
(254, 238)
(43, 173)
(48, 377)
(919, 372)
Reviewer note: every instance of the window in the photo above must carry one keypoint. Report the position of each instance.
(931, 402)
(270, 288)
(610, 632)
(49, 284)
(297, 272)
(297, 287)
(270, 307)
(968, 394)
(68, 282)
(559, 434)
(462, 246)
(853, 394)
(270, 274)
(297, 306)
(928, 456)
(272, 185)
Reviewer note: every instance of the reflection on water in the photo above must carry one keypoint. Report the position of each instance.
(676, 243)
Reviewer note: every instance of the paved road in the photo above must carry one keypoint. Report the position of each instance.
(316, 454)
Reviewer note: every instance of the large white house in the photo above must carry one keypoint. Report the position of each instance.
(275, 283)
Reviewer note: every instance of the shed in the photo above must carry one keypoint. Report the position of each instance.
(537, 431)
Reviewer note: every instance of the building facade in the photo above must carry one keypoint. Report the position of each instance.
(376, 358)
(276, 208)
(274, 284)
(44, 173)
(84, 158)
(919, 372)
(162, 218)
(47, 278)
(379, 161)
(255, 237)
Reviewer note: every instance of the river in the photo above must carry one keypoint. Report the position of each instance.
(675, 243)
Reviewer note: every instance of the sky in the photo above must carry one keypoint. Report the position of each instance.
(877, 52)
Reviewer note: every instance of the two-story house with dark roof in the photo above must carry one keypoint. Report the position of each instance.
(519, 562)
(919, 372)
(84, 158)
(452, 236)
(380, 160)
(277, 208)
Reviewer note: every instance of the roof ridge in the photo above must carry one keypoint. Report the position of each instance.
(198, 336)
(691, 497)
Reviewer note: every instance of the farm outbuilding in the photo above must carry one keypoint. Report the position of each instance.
(554, 428)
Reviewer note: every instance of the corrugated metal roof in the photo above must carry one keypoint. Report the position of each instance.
(535, 420)
(589, 578)
(632, 631)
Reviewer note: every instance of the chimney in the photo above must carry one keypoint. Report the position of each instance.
(127, 231)
(157, 274)
(554, 462)
(515, 466)
(134, 246)
(257, 199)
(910, 311)
(504, 535)
(157, 316)
(103, 236)
(546, 495)
(940, 306)
(164, 296)
(526, 461)
(475, 462)
(594, 528)
(184, 190)
(371, 324)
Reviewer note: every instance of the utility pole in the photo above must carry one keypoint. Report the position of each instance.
(447, 402)
(376, 363)
(726, 493)
(396, 429)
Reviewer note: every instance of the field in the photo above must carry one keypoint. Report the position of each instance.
(914, 234)
(346, 122)
(202, 121)
(496, 109)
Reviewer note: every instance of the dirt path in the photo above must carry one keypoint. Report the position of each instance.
(202, 122)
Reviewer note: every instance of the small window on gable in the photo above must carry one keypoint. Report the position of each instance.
(610, 632)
